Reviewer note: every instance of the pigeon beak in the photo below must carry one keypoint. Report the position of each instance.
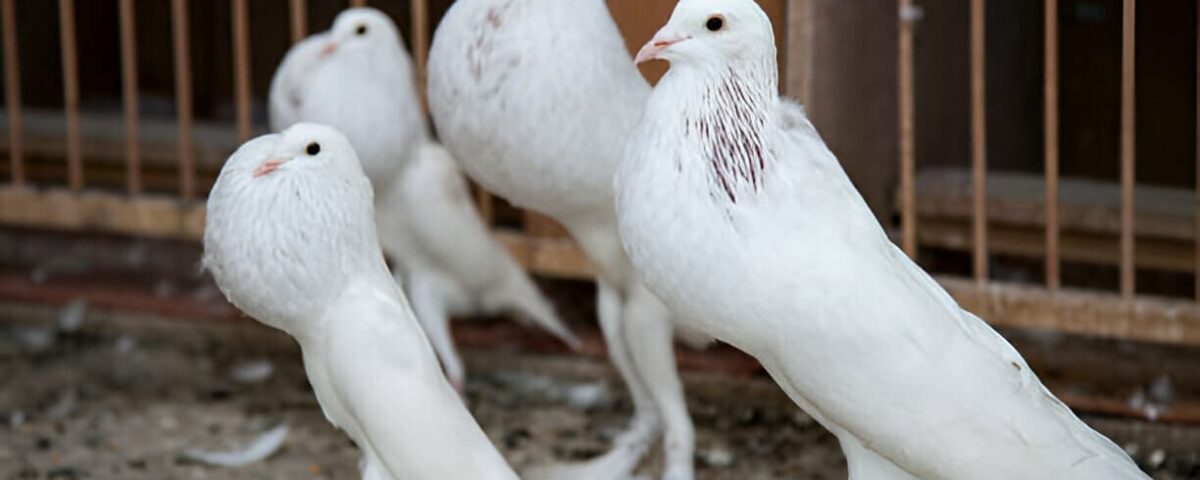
(329, 49)
(268, 167)
(661, 41)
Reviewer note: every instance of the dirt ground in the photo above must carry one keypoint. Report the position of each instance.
(125, 402)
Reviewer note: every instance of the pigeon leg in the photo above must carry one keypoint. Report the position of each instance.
(648, 334)
(429, 306)
(646, 422)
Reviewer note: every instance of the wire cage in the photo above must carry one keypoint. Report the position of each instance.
(123, 170)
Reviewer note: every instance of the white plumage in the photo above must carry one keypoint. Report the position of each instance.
(737, 214)
(358, 78)
(291, 241)
(536, 99)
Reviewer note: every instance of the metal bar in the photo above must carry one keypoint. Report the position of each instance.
(183, 97)
(12, 83)
(979, 142)
(908, 210)
(1127, 149)
(241, 68)
(299, 15)
(419, 11)
(1050, 125)
(70, 69)
(129, 83)
(1196, 249)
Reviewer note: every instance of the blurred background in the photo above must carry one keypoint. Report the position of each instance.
(1040, 156)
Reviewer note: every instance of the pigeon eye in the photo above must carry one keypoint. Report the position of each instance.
(361, 30)
(313, 149)
(715, 23)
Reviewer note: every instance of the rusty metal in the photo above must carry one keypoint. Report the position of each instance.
(908, 211)
(12, 83)
(299, 19)
(183, 97)
(70, 69)
(1128, 153)
(979, 252)
(1050, 124)
(129, 93)
(241, 67)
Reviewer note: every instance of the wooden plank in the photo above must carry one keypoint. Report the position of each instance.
(1089, 206)
(70, 70)
(1027, 242)
(1050, 125)
(147, 215)
(556, 257)
(1086, 313)
(183, 97)
(241, 67)
(907, 200)
(12, 95)
(129, 94)
(979, 250)
(103, 135)
(1128, 272)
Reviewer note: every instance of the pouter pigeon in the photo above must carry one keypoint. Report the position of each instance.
(536, 99)
(290, 239)
(740, 218)
(358, 78)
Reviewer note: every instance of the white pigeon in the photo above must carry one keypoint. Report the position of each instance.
(536, 98)
(358, 78)
(737, 215)
(291, 241)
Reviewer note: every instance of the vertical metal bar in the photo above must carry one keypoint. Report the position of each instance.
(1050, 124)
(183, 97)
(12, 83)
(979, 141)
(419, 11)
(1196, 251)
(70, 69)
(908, 211)
(129, 83)
(241, 68)
(299, 15)
(1127, 149)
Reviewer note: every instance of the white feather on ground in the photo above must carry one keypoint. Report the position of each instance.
(259, 449)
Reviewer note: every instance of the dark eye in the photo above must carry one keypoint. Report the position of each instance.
(715, 23)
(313, 148)
(362, 30)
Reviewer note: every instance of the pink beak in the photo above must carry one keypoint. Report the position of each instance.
(656, 46)
(267, 167)
(329, 49)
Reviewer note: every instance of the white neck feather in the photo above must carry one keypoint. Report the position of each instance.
(725, 113)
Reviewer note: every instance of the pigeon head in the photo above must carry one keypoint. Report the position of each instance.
(306, 150)
(290, 222)
(713, 34)
(362, 29)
